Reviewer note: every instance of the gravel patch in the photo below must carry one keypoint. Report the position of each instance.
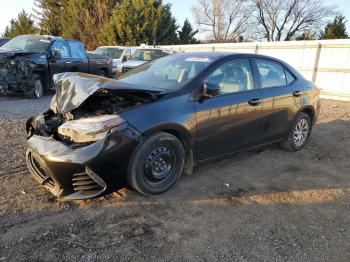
(267, 206)
(21, 108)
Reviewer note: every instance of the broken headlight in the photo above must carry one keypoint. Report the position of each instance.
(89, 129)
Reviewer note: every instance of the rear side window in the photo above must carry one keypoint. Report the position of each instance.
(272, 74)
(77, 49)
(290, 78)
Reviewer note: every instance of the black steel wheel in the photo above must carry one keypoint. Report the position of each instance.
(156, 164)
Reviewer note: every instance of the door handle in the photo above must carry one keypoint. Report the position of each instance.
(297, 93)
(254, 102)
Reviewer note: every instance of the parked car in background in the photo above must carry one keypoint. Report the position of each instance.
(28, 63)
(141, 56)
(163, 118)
(4, 40)
(118, 54)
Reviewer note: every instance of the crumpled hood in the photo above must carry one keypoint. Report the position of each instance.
(72, 89)
(5, 53)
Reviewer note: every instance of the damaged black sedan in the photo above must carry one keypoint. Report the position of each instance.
(160, 120)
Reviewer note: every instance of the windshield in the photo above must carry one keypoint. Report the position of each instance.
(109, 52)
(148, 54)
(167, 73)
(28, 43)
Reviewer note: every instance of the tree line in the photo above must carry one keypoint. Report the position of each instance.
(104, 22)
(267, 20)
(133, 22)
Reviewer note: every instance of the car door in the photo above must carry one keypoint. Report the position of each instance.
(229, 121)
(59, 65)
(281, 98)
(79, 61)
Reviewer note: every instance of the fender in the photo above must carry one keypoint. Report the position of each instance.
(178, 130)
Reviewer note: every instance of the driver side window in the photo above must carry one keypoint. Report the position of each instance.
(233, 76)
(60, 45)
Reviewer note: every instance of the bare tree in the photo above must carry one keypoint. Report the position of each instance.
(283, 20)
(223, 19)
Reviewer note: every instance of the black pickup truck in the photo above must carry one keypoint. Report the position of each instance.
(28, 63)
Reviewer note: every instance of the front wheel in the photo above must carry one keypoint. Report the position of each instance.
(156, 164)
(37, 88)
(299, 133)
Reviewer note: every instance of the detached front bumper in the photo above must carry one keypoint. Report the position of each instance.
(80, 173)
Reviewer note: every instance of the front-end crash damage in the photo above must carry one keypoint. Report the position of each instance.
(17, 70)
(82, 143)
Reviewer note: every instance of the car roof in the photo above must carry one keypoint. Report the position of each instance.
(112, 46)
(218, 55)
(222, 55)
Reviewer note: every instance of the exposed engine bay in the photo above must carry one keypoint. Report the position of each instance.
(77, 117)
(99, 104)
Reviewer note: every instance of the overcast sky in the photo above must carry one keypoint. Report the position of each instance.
(180, 8)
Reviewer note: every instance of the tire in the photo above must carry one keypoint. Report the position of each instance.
(299, 133)
(101, 73)
(156, 164)
(37, 90)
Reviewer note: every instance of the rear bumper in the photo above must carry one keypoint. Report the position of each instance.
(79, 173)
(317, 107)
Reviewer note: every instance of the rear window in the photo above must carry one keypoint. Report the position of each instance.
(290, 77)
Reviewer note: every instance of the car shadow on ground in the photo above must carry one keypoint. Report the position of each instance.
(310, 175)
(316, 174)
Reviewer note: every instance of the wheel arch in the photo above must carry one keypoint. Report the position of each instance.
(310, 111)
(185, 137)
(104, 69)
(174, 129)
(44, 78)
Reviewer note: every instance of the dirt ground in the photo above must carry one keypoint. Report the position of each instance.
(267, 206)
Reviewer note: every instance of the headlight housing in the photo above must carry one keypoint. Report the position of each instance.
(89, 129)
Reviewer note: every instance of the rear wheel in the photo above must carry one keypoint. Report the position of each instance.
(156, 164)
(37, 90)
(101, 73)
(299, 133)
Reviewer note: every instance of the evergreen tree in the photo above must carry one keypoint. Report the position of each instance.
(167, 27)
(22, 25)
(88, 21)
(336, 29)
(48, 13)
(144, 21)
(186, 34)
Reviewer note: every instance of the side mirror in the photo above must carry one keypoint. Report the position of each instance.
(210, 90)
(57, 54)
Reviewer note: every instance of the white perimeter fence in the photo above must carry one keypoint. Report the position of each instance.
(326, 62)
